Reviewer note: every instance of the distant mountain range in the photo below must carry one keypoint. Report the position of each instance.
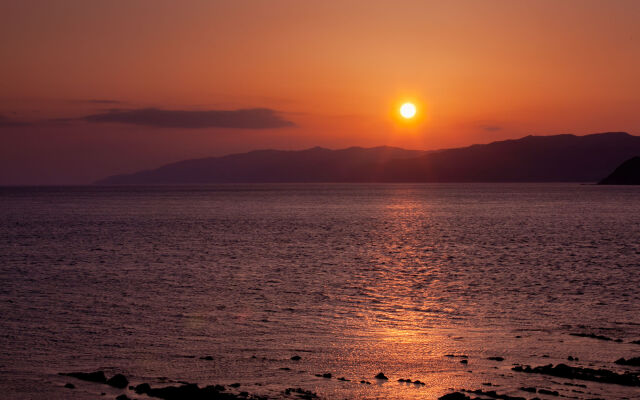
(559, 158)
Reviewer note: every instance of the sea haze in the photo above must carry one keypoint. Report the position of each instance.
(354, 279)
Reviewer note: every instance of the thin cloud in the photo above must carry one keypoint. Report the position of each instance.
(254, 118)
(491, 128)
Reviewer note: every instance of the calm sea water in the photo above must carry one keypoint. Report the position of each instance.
(355, 279)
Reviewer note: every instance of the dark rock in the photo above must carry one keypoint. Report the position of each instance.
(404, 380)
(123, 397)
(528, 389)
(327, 375)
(628, 173)
(417, 382)
(636, 342)
(343, 379)
(142, 388)
(494, 395)
(464, 362)
(208, 358)
(548, 392)
(381, 376)
(285, 369)
(119, 381)
(366, 382)
(97, 376)
(635, 361)
(70, 386)
(495, 358)
(585, 374)
(296, 358)
(187, 391)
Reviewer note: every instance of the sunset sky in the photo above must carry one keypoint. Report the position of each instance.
(93, 88)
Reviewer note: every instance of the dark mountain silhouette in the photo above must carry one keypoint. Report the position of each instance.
(628, 173)
(559, 158)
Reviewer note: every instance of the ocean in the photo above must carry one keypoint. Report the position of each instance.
(223, 284)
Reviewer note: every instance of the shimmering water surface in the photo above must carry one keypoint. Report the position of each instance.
(355, 279)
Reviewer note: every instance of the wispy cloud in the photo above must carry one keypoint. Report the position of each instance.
(490, 128)
(253, 118)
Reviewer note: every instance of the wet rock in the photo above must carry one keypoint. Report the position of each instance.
(494, 395)
(296, 358)
(381, 376)
(70, 386)
(635, 361)
(97, 376)
(142, 388)
(528, 389)
(548, 392)
(495, 358)
(585, 374)
(188, 391)
(118, 381)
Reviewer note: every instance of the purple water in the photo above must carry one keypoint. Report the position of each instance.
(355, 279)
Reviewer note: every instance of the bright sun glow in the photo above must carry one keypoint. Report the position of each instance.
(408, 110)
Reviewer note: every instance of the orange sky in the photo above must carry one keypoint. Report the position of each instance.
(479, 70)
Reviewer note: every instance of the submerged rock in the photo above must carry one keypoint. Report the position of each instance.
(594, 336)
(301, 393)
(454, 396)
(585, 374)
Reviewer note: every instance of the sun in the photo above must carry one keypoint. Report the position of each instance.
(408, 110)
